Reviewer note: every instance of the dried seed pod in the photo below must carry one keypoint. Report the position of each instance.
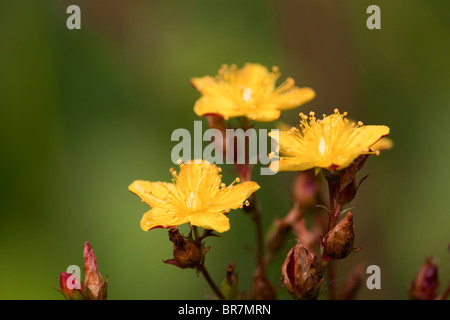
(186, 254)
(301, 273)
(338, 243)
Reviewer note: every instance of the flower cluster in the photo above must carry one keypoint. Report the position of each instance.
(334, 145)
(332, 148)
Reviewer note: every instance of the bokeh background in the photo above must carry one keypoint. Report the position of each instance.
(85, 112)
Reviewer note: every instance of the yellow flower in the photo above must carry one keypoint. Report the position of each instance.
(196, 195)
(248, 92)
(331, 143)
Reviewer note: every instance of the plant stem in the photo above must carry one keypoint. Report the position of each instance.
(331, 221)
(256, 217)
(332, 279)
(210, 281)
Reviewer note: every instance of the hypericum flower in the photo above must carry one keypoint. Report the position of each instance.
(248, 92)
(330, 143)
(196, 195)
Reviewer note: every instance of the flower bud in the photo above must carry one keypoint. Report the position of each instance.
(230, 283)
(72, 293)
(186, 254)
(338, 243)
(426, 283)
(301, 273)
(95, 286)
(343, 184)
(305, 189)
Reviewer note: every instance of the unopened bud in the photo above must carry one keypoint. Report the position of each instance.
(338, 243)
(301, 273)
(186, 254)
(426, 283)
(305, 189)
(342, 184)
(67, 287)
(230, 283)
(95, 286)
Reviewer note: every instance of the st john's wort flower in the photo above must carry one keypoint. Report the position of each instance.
(331, 143)
(250, 92)
(196, 196)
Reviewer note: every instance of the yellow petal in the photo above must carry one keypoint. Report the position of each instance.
(232, 197)
(383, 144)
(209, 220)
(203, 83)
(161, 218)
(263, 115)
(294, 98)
(198, 177)
(371, 134)
(155, 194)
(288, 142)
(252, 75)
(217, 104)
(294, 164)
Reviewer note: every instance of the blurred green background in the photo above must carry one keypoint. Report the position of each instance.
(85, 112)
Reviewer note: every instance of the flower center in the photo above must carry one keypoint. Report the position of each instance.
(247, 94)
(322, 146)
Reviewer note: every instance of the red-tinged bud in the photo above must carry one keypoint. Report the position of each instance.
(338, 243)
(305, 189)
(230, 283)
(95, 286)
(426, 283)
(70, 287)
(301, 273)
(186, 254)
(342, 184)
(261, 287)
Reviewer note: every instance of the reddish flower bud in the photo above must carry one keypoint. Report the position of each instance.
(230, 283)
(186, 254)
(343, 184)
(338, 243)
(95, 286)
(426, 283)
(301, 273)
(305, 189)
(68, 286)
